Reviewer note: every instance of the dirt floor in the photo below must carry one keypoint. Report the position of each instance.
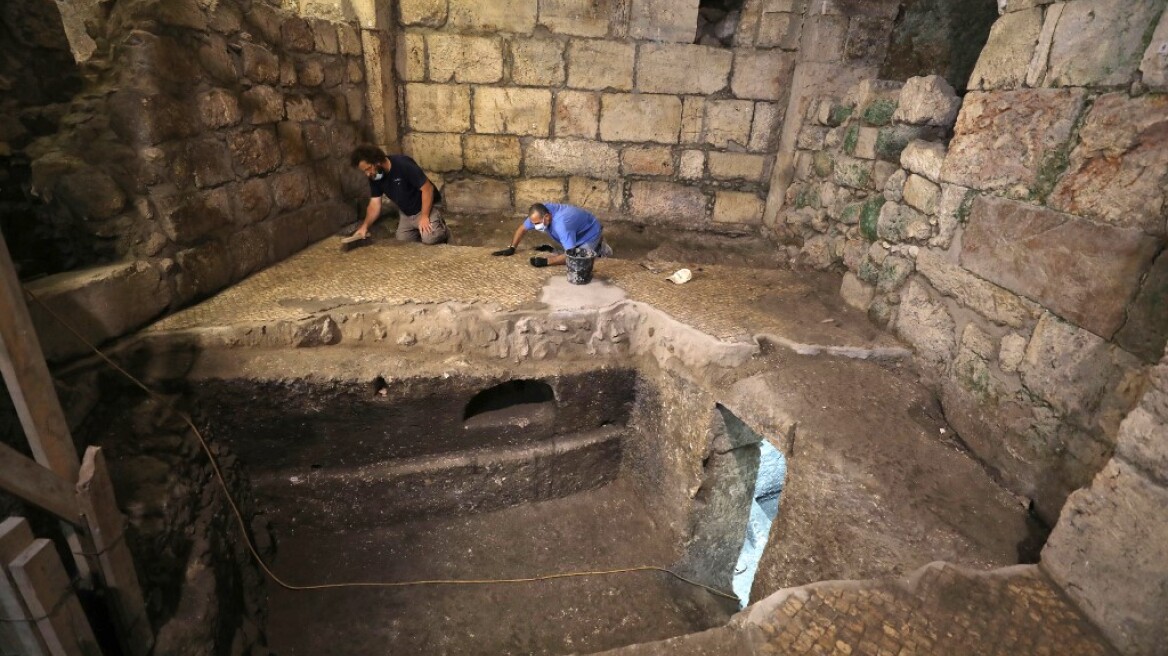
(603, 528)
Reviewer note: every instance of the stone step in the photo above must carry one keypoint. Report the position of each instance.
(347, 498)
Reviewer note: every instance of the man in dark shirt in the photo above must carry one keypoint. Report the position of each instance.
(401, 179)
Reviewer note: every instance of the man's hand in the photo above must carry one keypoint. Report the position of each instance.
(362, 232)
(424, 225)
(510, 250)
(539, 262)
(546, 248)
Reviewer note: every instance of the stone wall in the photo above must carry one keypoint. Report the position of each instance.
(37, 79)
(1109, 551)
(608, 105)
(1019, 249)
(207, 144)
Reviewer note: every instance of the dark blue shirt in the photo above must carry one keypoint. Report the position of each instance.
(402, 183)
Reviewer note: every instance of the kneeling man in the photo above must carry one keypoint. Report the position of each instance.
(399, 178)
(568, 225)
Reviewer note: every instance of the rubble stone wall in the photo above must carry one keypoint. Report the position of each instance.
(208, 143)
(1017, 245)
(38, 78)
(604, 104)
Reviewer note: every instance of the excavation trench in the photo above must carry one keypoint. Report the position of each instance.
(567, 441)
(485, 477)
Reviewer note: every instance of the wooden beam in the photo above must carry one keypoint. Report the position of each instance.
(30, 482)
(18, 633)
(23, 364)
(27, 376)
(47, 591)
(107, 527)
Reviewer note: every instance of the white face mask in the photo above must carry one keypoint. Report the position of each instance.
(379, 175)
(542, 227)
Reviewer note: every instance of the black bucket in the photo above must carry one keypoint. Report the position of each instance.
(580, 261)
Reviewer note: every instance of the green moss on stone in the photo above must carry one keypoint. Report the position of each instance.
(870, 216)
(879, 112)
(850, 140)
(1054, 164)
(966, 206)
(891, 141)
(868, 271)
(850, 215)
(854, 173)
(839, 114)
(807, 197)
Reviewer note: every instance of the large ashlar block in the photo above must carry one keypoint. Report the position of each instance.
(668, 202)
(529, 191)
(596, 196)
(1097, 42)
(693, 112)
(428, 13)
(663, 20)
(1010, 140)
(640, 117)
(478, 196)
(577, 114)
(1154, 65)
(434, 152)
(102, 303)
(762, 74)
(1083, 271)
(583, 157)
(737, 166)
(1108, 552)
(601, 65)
(457, 58)
(1118, 173)
(764, 131)
(1006, 56)
(677, 68)
(647, 160)
(492, 155)
(537, 62)
(779, 29)
(728, 123)
(517, 16)
(438, 107)
(737, 207)
(577, 17)
(509, 110)
(988, 300)
(411, 57)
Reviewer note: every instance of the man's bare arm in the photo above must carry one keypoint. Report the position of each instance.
(371, 214)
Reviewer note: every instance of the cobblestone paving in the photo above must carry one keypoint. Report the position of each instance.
(944, 610)
(726, 302)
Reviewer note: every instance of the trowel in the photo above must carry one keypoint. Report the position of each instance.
(354, 241)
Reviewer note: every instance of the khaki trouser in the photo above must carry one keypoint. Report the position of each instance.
(407, 228)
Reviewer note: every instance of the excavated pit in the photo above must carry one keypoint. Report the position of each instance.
(480, 477)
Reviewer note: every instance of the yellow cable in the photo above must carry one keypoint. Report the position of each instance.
(353, 584)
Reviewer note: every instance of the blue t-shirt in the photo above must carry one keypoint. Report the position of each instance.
(570, 225)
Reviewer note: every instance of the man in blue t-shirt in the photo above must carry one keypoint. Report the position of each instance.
(399, 178)
(568, 225)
